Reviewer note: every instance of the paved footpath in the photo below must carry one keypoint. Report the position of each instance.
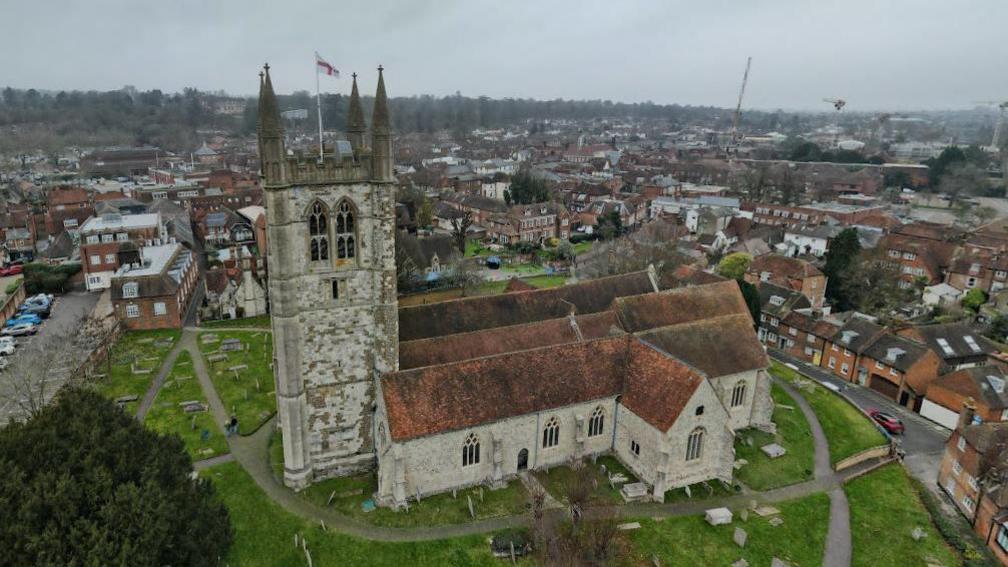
(159, 380)
(252, 453)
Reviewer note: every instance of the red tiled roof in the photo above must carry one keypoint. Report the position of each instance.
(718, 346)
(682, 305)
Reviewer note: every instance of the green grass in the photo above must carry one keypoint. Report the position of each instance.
(137, 348)
(475, 248)
(253, 406)
(793, 433)
(264, 534)
(884, 511)
(800, 540)
(582, 247)
(260, 322)
(434, 510)
(847, 430)
(546, 281)
(167, 416)
(523, 269)
(556, 479)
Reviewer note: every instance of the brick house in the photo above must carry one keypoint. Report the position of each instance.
(916, 257)
(808, 336)
(102, 236)
(898, 368)
(974, 474)
(957, 344)
(841, 351)
(66, 209)
(790, 273)
(984, 271)
(529, 223)
(156, 289)
(983, 386)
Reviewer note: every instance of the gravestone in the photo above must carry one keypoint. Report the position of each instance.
(718, 516)
(230, 345)
(209, 338)
(764, 511)
(739, 537)
(126, 399)
(775, 562)
(744, 515)
(776, 521)
(918, 533)
(635, 492)
(217, 358)
(740, 563)
(773, 450)
(629, 526)
(472, 513)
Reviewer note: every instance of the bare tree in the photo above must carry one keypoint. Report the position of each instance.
(460, 228)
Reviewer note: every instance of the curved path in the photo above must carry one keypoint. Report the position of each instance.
(252, 453)
(159, 380)
(838, 538)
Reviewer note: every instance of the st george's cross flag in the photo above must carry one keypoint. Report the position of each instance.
(323, 66)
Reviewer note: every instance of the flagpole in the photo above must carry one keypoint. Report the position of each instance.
(318, 103)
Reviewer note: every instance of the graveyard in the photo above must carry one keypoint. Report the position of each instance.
(240, 366)
(890, 526)
(180, 408)
(847, 429)
(608, 476)
(132, 366)
(757, 470)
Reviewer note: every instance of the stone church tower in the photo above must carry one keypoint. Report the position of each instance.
(330, 225)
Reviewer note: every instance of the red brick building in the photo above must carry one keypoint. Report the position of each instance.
(102, 237)
(790, 273)
(157, 290)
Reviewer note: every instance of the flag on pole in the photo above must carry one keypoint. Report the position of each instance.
(321, 65)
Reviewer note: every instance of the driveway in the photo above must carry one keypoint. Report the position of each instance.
(923, 441)
(66, 314)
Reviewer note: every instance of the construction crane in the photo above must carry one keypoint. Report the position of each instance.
(880, 121)
(999, 125)
(838, 104)
(738, 107)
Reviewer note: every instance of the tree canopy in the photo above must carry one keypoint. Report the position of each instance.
(526, 189)
(843, 254)
(734, 265)
(86, 484)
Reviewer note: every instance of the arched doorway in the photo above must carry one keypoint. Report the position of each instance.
(523, 459)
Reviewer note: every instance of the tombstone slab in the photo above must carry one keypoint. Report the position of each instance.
(740, 563)
(739, 537)
(718, 516)
(764, 511)
(629, 526)
(773, 450)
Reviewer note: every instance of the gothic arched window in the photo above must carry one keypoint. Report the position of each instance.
(596, 422)
(738, 394)
(551, 433)
(346, 231)
(694, 444)
(470, 450)
(318, 232)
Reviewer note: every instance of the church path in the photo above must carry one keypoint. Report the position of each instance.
(838, 538)
(159, 380)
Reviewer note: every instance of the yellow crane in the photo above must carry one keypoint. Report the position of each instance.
(738, 107)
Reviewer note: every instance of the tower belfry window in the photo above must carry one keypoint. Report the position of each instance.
(318, 233)
(346, 241)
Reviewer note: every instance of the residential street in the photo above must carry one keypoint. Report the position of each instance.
(923, 441)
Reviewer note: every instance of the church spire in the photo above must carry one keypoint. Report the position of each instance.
(380, 117)
(355, 118)
(381, 135)
(272, 155)
(269, 114)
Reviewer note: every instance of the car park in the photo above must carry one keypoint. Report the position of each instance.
(25, 318)
(889, 422)
(19, 330)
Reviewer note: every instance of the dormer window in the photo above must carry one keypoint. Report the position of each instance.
(998, 384)
(130, 289)
(776, 300)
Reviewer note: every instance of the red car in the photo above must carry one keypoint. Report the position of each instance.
(11, 270)
(888, 422)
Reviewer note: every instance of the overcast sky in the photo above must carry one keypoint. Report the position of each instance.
(877, 54)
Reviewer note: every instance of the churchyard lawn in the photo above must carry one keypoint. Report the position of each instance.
(556, 479)
(847, 430)
(200, 432)
(251, 396)
(259, 322)
(689, 540)
(793, 433)
(486, 288)
(264, 535)
(142, 352)
(884, 510)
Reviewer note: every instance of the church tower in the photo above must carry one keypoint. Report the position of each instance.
(330, 225)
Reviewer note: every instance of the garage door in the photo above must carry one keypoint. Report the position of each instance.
(883, 386)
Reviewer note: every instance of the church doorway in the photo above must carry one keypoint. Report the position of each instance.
(523, 459)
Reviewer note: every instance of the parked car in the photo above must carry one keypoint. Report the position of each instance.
(19, 330)
(890, 423)
(7, 347)
(12, 270)
(26, 318)
(40, 299)
(34, 309)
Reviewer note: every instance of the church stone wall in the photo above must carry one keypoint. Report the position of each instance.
(662, 460)
(739, 417)
(434, 464)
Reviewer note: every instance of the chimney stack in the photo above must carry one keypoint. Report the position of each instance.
(966, 415)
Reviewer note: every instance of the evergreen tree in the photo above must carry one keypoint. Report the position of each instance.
(86, 484)
(843, 253)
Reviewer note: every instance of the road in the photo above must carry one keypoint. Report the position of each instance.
(66, 314)
(923, 441)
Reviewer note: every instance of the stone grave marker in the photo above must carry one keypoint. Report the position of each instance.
(739, 537)
(740, 563)
(918, 533)
(773, 450)
(775, 562)
(718, 516)
(629, 526)
(776, 521)
(230, 345)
